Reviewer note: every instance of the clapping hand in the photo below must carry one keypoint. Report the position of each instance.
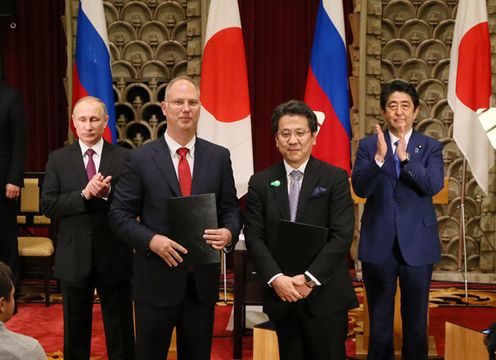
(381, 145)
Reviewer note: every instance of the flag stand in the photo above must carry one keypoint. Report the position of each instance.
(224, 273)
(462, 238)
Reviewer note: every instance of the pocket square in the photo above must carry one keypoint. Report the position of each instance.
(317, 192)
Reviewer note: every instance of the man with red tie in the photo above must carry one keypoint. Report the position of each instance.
(168, 293)
(77, 191)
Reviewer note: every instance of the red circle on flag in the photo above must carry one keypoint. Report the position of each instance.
(224, 82)
(473, 77)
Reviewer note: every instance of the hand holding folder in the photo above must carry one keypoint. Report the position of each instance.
(188, 217)
(297, 246)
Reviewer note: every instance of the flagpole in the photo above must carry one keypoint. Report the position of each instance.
(224, 271)
(462, 238)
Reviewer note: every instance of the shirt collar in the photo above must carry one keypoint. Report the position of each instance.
(98, 147)
(174, 145)
(394, 138)
(289, 168)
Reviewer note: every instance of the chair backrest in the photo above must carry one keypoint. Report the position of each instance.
(29, 209)
(440, 198)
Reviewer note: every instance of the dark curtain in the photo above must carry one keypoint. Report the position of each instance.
(278, 37)
(35, 63)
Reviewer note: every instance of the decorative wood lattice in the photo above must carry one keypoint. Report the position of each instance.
(411, 40)
(152, 41)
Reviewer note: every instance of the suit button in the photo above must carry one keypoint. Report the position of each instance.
(398, 199)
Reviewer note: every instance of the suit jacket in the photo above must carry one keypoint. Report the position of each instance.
(325, 201)
(149, 178)
(85, 243)
(12, 138)
(399, 208)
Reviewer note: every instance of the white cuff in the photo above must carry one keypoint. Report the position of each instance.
(314, 279)
(273, 278)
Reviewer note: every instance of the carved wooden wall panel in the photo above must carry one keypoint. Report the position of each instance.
(414, 45)
(154, 40)
(151, 42)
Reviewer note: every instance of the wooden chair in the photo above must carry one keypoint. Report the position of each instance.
(40, 249)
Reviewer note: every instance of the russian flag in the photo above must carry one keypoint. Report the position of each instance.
(469, 87)
(225, 114)
(92, 74)
(327, 86)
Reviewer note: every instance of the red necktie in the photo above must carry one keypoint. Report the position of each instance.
(184, 172)
(90, 167)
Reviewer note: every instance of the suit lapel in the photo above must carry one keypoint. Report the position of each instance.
(106, 158)
(310, 181)
(200, 166)
(415, 145)
(280, 191)
(76, 160)
(163, 160)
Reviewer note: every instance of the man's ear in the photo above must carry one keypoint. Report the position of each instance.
(3, 304)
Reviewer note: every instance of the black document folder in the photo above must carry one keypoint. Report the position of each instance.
(188, 217)
(297, 246)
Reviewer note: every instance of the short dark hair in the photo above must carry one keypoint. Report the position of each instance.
(398, 86)
(294, 107)
(5, 281)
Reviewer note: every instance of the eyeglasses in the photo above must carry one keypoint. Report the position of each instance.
(286, 134)
(192, 103)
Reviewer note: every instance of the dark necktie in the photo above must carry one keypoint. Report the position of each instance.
(397, 159)
(184, 172)
(90, 166)
(294, 193)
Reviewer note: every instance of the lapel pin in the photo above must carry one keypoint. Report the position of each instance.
(275, 183)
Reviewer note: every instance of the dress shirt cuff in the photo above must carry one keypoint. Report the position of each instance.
(227, 249)
(314, 279)
(379, 163)
(108, 194)
(273, 278)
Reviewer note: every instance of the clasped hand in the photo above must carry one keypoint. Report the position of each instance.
(98, 186)
(291, 289)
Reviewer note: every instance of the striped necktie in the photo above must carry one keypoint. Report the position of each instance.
(294, 192)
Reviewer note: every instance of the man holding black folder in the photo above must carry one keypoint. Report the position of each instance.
(171, 287)
(299, 228)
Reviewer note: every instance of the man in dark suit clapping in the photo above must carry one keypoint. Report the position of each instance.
(398, 170)
(77, 191)
(309, 309)
(167, 293)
